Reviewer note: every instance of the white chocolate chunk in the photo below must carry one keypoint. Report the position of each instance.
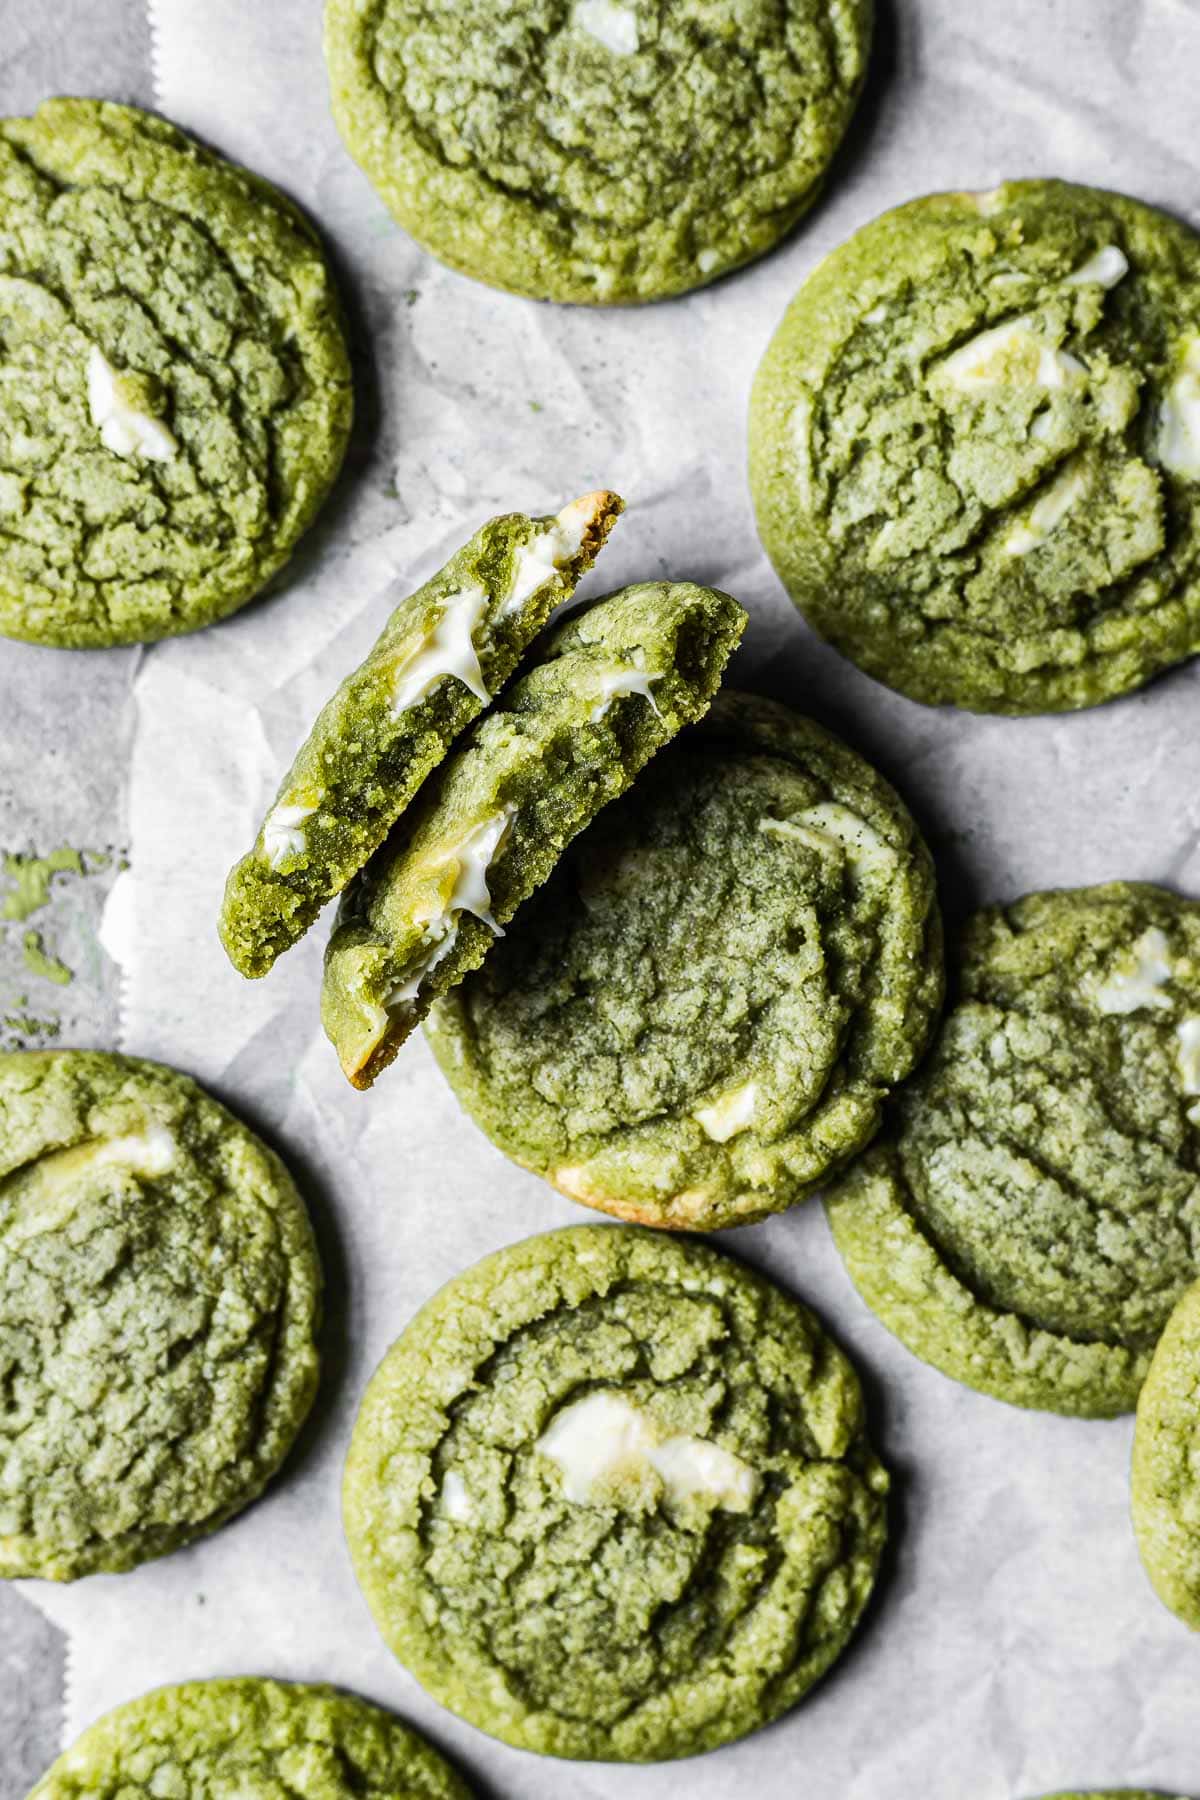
(456, 1502)
(1188, 1056)
(282, 835)
(438, 948)
(545, 555)
(729, 1113)
(1069, 486)
(148, 1152)
(707, 261)
(596, 1439)
(123, 429)
(1011, 355)
(987, 201)
(833, 824)
(49, 1187)
(617, 682)
(611, 24)
(1105, 269)
(473, 855)
(448, 650)
(1178, 442)
(1137, 981)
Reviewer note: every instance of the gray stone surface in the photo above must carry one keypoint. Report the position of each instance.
(62, 774)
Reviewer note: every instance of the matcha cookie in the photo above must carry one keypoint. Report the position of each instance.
(1166, 1463)
(443, 654)
(174, 388)
(609, 1496)
(617, 682)
(254, 1739)
(159, 1292)
(975, 447)
(596, 150)
(700, 1015)
(1032, 1213)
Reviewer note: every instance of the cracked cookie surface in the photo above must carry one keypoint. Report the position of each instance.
(701, 1014)
(615, 683)
(1032, 1212)
(609, 1496)
(174, 388)
(159, 1294)
(599, 151)
(975, 447)
(254, 1738)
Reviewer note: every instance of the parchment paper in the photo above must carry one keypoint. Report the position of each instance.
(1015, 1646)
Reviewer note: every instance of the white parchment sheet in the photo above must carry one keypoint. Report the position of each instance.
(1015, 1646)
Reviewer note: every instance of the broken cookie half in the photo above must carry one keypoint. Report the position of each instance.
(444, 654)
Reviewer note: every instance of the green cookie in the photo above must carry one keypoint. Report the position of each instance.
(618, 681)
(1032, 1213)
(701, 1014)
(610, 1497)
(443, 654)
(253, 1739)
(1166, 1464)
(174, 387)
(975, 447)
(596, 150)
(159, 1294)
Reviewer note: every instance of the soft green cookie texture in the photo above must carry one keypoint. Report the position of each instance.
(618, 680)
(445, 652)
(175, 392)
(975, 447)
(701, 1014)
(159, 1295)
(610, 1497)
(1032, 1213)
(1166, 1464)
(598, 151)
(254, 1738)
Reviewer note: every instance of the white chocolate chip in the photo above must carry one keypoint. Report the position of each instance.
(1137, 981)
(123, 429)
(618, 682)
(1178, 442)
(1011, 355)
(729, 1113)
(707, 261)
(1105, 269)
(473, 855)
(456, 1502)
(1069, 486)
(282, 835)
(53, 1182)
(547, 554)
(611, 24)
(832, 824)
(447, 650)
(597, 1439)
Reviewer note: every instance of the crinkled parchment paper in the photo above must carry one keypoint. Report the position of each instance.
(1015, 1646)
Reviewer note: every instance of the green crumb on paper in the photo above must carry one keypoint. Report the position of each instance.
(30, 878)
(535, 406)
(43, 962)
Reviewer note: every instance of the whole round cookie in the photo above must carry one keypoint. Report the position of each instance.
(599, 151)
(159, 1294)
(1032, 1212)
(614, 684)
(975, 447)
(609, 1496)
(700, 1016)
(254, 1738)
(1166, 1464)
(174, 388)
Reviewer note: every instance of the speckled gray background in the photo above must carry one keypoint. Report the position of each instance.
(62, 774)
